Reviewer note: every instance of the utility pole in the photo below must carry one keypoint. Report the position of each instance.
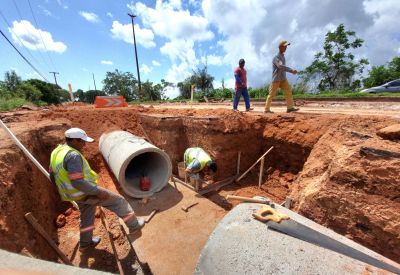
(137, 63)
(55, 78)
(94, 81)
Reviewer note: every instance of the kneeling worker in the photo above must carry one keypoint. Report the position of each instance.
(76, 181)
(198, 161)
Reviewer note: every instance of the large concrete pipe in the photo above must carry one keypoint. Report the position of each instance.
(130, 157)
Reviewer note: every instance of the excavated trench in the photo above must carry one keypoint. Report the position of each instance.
(316, 161)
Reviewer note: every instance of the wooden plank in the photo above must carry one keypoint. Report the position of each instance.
(105, 223)
(33, 221)
(245, 173)
(261, 173)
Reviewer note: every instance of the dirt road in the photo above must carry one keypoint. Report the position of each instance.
(387, 109)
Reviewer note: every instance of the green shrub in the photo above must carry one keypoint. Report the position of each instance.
(11, 103)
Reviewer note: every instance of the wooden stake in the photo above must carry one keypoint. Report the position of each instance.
(105, 223)
(261, 173)
(151, 215)
(33, 221)
(245, 173)
(238, 164)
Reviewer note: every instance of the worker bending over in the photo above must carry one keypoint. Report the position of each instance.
(76, 181)
(198, 161)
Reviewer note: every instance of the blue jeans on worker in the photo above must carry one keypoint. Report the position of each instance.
(238, 93)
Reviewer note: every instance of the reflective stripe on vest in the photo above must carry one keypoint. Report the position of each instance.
(65, 188)
(196, 153)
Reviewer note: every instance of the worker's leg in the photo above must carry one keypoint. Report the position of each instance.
(273, 87)
(246, 98)
(287, 91)
(87, 223)
(238, 92)
(118, 204)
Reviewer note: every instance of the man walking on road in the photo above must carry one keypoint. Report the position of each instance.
(76, 181)
(241, 86)
(279, 80)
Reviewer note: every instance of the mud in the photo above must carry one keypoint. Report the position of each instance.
(316, 161)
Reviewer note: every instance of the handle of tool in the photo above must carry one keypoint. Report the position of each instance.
(105, 223)
(32, 220)
(245, 199)
(29, 155)
(150, 216)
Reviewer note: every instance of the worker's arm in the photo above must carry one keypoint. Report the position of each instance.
(73, 164)
(193, 166)
(279, 64)
(237, 77)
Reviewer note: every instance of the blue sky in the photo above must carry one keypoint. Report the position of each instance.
(78, 38)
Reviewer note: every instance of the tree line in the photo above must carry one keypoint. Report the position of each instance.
(335, 68)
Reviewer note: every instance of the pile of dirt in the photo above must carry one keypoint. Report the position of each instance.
(356, 194)
(316, 160)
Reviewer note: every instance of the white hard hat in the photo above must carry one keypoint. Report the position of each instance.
(78, 133)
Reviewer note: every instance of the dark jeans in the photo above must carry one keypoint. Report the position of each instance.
(238, 93)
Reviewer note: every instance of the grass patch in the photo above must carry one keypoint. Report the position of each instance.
(12, 103)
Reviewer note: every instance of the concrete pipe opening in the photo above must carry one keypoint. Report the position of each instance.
(130, 157)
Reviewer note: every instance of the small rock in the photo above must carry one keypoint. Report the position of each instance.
(61, 220)
(391, 132)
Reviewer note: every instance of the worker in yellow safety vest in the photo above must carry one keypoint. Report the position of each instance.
(76, 181)
(198, 161)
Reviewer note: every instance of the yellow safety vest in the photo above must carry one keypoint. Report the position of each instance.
(65, 188)
(196, 153)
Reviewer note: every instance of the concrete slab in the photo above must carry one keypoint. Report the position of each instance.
(172, 241)
(11, 263)
(243, 245)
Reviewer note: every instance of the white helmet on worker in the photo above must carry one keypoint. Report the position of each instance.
(77, 133)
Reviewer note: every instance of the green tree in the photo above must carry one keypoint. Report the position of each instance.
(119, 83)
(78, 95)
(51, 94)
(90, 95)
(151, 92)
(185, 87)
(203, 81)
(29, 91)
(12, 81)
(379, 75)
(336, 67)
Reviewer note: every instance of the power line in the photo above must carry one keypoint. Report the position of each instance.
(20, 17)
(40, 34)
(27, 61)
(22, 43)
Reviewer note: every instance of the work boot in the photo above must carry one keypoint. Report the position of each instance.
(236, 110)
(293, 109)
(133, 231)
(268, 112)
(249, 109)
(95, 241)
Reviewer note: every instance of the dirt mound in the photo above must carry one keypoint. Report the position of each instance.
(355, 194)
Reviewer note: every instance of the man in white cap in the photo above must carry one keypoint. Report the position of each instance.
(279, 80)
(76, 181)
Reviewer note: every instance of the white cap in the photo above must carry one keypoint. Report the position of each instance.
(78, 133)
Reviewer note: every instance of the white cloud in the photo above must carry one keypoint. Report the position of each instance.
(33, 75)
(169, 21)
(122, 32)
(171, 92)
(212, 60)
(155, 63)
(109, 14)
(89, 16)
(305, 25)
(62, 4)
(145, 69)
(106, 62)
(85, 70)
(45, 11)
(32, 38)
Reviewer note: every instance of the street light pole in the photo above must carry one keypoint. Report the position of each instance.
(137, 63)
